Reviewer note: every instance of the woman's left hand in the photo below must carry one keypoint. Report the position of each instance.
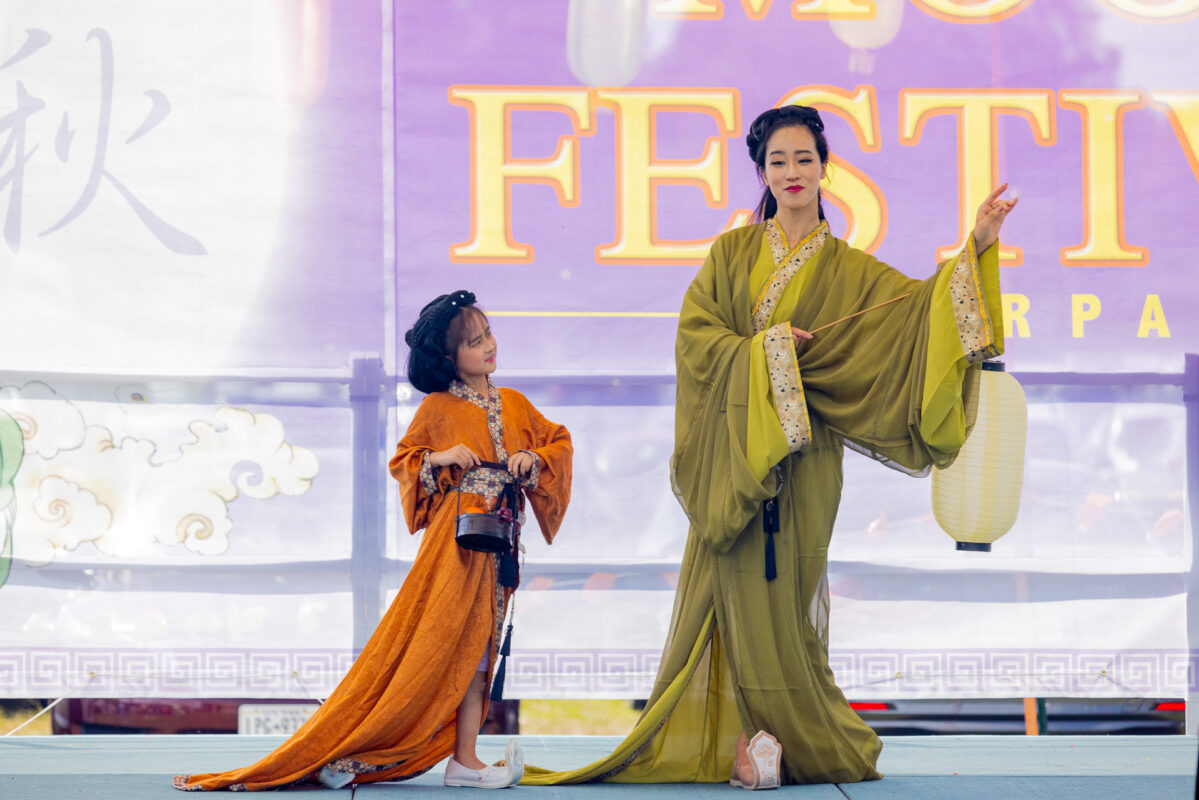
(521, 464)
(989, 220)
(798, 337)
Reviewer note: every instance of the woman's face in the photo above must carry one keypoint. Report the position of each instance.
(793, 169)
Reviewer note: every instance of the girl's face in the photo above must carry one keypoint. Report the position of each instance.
(476, 351)
(793, 169)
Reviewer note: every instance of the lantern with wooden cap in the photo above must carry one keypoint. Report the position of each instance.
(976, 498)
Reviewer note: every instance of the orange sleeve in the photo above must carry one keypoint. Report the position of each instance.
(551, 442)
(421, 495)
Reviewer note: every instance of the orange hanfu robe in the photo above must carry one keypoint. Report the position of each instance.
(393, 715)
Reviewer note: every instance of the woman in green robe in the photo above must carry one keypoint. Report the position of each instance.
(765, 406)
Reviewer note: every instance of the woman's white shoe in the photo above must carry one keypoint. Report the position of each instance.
(765, 754)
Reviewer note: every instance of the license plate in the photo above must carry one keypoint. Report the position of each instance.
(272, 719)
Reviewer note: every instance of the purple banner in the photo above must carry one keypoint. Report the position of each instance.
(548, 194)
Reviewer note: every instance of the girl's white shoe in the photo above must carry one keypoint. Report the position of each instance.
(334, 779)
(494, 777)
(514, 760)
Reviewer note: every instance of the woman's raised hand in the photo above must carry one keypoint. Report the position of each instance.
(458, 456)
(989, 220)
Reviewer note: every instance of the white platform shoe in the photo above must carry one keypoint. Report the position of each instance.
(765, 754)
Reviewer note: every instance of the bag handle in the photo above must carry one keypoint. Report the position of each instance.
(486, 465)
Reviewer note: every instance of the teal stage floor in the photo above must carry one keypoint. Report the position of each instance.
(917, 768)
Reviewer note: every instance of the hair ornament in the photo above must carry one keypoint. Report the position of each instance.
(436, 316)
(774, 118)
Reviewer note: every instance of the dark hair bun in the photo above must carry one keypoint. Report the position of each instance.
(772, 119)
(428, 368)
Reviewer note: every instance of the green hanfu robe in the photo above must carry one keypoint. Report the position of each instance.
(754, 420)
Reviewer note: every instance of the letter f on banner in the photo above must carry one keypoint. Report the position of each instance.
(493, 170)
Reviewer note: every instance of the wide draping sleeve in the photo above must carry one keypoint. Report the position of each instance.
(710, 471)
(423, 487)
(526, 429)
(871, 379)
(964, 328)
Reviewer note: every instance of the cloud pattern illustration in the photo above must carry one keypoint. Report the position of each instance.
(130, 497)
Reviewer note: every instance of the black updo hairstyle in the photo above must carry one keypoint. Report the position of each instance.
(434, 338)
(759, 135)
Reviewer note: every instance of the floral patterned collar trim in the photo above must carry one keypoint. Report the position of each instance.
(781, 249)
(460, 389)
(787, 262)
(494, 409)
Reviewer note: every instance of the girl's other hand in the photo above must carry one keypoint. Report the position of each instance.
(521, 464)
(457, 456)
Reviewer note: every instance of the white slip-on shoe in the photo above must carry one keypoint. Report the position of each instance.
(486, 778)
(514, 761)
(334, 779)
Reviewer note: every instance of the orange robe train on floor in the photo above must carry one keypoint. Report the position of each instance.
(396, 706)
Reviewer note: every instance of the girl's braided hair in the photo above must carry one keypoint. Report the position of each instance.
(430, 351)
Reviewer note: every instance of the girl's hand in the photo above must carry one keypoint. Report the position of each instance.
(798, 337)
(521, 464)
(989, 220)
(457, 456)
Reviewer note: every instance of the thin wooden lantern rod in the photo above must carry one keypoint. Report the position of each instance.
(858, 313)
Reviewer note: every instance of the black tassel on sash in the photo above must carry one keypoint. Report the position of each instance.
(509, 578)
(497, 686)
(770, 524)
(509, 571)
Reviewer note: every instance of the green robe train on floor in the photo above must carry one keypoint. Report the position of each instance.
(753, 418)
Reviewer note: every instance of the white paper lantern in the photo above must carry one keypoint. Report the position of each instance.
(976, 499)
(603, 40)
(865, 36)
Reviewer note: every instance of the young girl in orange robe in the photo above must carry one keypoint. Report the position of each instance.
(417, 692)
